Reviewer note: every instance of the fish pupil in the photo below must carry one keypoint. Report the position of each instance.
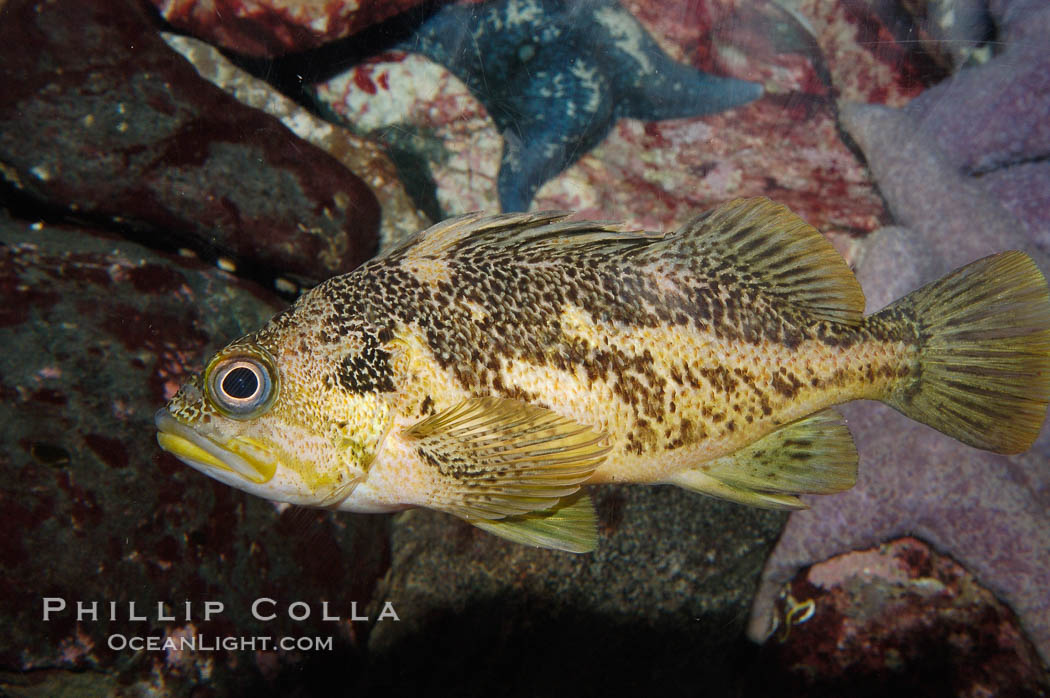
(240, 383)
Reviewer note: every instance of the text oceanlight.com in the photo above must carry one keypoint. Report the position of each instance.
(205, 643)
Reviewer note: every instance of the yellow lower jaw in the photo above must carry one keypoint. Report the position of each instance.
(178, 446)
(256, 455)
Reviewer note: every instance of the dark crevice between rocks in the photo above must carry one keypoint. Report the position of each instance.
(491, 648)
(413, 170)
(979, 172)
(289, 73)
(20, 205)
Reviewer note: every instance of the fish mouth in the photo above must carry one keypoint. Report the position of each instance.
(242, 456)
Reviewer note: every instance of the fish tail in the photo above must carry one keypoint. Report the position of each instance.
(983, 373)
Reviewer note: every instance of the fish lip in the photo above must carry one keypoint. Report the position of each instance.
(168, 425)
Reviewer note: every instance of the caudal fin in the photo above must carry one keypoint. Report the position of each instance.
(984, 364)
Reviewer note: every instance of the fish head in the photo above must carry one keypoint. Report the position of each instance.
(269, 414)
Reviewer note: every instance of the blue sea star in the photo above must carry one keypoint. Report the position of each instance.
(555, 77)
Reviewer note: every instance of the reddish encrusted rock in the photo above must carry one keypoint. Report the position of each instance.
(273, 27)
(99, 116)
(96, 333)
(899, 619)
(859, 50)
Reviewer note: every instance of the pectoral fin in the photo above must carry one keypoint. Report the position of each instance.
(513, 469)
(814, 455)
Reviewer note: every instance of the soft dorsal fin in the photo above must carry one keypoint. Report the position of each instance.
(517, 230)
(769, 247)
(778, 252)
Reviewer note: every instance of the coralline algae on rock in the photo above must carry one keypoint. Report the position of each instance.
(899, 619)
(274, 27)
(651, 174)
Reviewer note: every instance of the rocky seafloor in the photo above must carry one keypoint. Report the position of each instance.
(173, 174)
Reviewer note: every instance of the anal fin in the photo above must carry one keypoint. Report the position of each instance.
(571, 525)
(814, 455)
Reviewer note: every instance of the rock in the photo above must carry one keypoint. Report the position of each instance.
(994, 115)
(899, 619)
(97, 333)
(266, 28)
(400, 220)
(137, 137)
(955, 218)
(986, 510)
(660, 604)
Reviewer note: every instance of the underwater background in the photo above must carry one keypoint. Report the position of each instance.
(173, 173)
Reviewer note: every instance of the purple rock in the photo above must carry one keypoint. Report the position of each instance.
(99, 116)
(990, 512)
(1024, 191)
(995, 114)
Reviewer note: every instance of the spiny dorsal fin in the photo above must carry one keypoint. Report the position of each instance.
(778, 253)
(500, 458)
(517, 230)
(814, 455)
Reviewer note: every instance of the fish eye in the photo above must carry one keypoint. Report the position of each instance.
(241, 387)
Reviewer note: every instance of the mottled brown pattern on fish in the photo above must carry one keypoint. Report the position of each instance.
(493, 366)
(486, 307)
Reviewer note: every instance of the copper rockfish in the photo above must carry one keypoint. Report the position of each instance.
(491, 367)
